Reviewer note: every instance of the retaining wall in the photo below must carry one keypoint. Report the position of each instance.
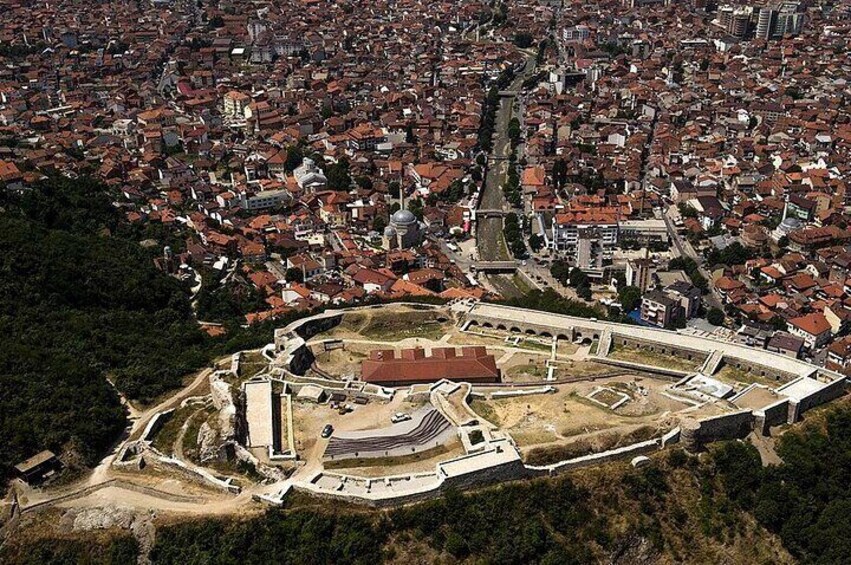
(695, 434)
(658, 347)
(156, 424)
(772, 415)
(597, 458)
(675, 373)
(509, 471)
(827, 393)
(118, 483)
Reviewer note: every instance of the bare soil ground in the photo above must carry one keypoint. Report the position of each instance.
(525, 372)
(592, 443)
(344, 361)
(607, 397)
(487, 337)
(549, 418)
(757, 398)
(309, 419)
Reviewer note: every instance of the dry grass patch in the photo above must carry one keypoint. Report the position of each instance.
(647, 357)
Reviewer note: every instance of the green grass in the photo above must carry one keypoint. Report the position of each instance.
(535, 346)
(531, 370)
(485, 410)
(404, 325)
(646, 357)
(165, 438)
(521, 284)
(191, 447)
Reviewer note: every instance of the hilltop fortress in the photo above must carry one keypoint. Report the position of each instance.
(714, 390)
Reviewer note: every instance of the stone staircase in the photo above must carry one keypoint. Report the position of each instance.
(710, 366)
(605, 343)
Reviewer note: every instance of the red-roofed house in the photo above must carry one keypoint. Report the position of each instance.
(813, 328)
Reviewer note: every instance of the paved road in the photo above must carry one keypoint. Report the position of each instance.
(684, 249)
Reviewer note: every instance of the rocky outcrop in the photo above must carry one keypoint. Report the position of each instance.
(222, 395)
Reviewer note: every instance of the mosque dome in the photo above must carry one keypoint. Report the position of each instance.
(790, 224)
(403, 218)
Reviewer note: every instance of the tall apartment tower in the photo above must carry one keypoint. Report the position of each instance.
(775, 21)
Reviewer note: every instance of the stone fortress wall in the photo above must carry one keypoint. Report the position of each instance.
(772, 415)
(806, 386)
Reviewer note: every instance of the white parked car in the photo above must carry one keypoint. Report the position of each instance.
(400, 417)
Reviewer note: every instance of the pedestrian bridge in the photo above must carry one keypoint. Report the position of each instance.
(488, 213)
(494, 266)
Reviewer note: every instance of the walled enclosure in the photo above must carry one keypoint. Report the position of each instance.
(806, 386)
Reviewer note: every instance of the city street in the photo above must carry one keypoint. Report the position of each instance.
(683, 248)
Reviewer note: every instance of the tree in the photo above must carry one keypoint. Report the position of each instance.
(733, 254)
(578, 278)
(536, 242)
(514, 131)
(295, 156)
(560, 173)
(415, 206)
(523, 40)
(364, 182)
(338, 175)
(687, 210)
(560, 271)
(629, 297)
(454, 193)
(379, 223)
(715, 316)
(294, 274)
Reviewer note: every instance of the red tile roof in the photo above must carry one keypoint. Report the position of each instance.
(474, 364)
(813, 324)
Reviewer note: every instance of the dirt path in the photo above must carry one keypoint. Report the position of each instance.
(765, 446)
(118, 495)
(100, 474)
(172, 401)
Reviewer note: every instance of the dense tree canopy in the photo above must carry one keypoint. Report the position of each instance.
(81, 300)
(629, 297)
(692, 269)
(806, 500)
(551, 301)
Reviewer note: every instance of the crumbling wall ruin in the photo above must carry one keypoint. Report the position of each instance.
(694, 434)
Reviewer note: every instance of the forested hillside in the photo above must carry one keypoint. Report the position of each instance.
(675, 511)
(807, 500)
(721, 507)
(81, 300)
